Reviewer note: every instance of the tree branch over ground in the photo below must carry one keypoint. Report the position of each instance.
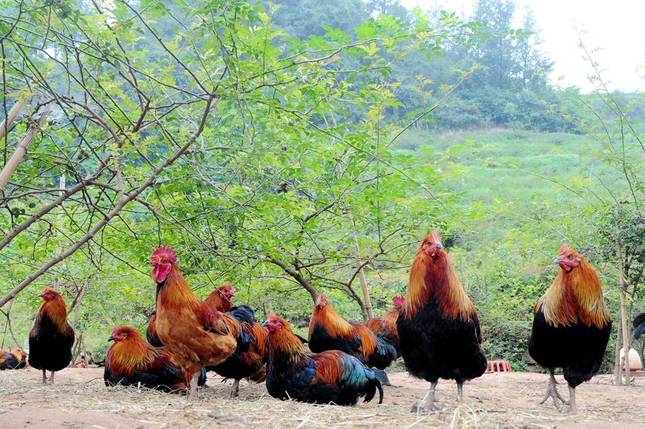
(123, 201)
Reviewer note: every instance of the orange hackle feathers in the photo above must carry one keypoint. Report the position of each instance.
(54, 307)
(575, 294)
(180, 294)
(281, 338)
(130, 351)
(325, 315)
(433, 276)
(260, 334)
(283, 341)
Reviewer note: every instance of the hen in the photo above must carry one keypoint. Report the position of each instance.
(51, 338)
(439, 333)
(193, 332)
(327, 377)
(131, 361)
(571, 325)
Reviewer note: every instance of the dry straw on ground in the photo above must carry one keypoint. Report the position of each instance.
(80, 400)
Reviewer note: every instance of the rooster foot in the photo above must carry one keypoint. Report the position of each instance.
(424, 409)
(552, 392)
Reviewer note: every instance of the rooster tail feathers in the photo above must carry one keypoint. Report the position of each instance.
(243, 313)
(379, 386)
(382, 378)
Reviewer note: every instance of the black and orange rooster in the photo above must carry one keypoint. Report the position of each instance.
(439, 332)
(193, 332)
(248, 360)
(51, 338)
(13, 359)
(327, 377)
(132, 361)
(385, 326)
(221, 298)
(571, 326)
(329, 331)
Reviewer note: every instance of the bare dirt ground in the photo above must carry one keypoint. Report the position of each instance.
(80, 400)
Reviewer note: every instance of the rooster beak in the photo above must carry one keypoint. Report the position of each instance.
(111, 338)
(439, 245)
(557, 260)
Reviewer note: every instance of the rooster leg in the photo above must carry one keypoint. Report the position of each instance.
(193, 383)
(51, 378)
(426, 405)
(235, 391)
(44, 376)
(460, 391)
(552, 392)
(572, 400)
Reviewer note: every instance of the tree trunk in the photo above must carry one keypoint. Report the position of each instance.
(625, 329)
(622, 284)
(21, 149)
(618, 372)
(367, 311)
(11, 116)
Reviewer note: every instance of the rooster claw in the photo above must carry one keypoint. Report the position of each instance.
(552, 392)
(424, 409)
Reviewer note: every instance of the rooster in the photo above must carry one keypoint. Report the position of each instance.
(13, 359)
(153, 339)
(571, 325)
(221, 298)
(51, 338)
(194, 333)
(385, 326)
(250, 354)
(439, 332)
(327, 377)
(131, 361)
(329, 331)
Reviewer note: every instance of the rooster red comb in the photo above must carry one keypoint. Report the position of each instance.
(398, 301)
(163, 254)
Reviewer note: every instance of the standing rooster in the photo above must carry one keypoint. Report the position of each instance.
(194, 333)
(131, 361)
(329, 331)
(51, 338)
(439, 333)
(327, 377)
(571, 326)
(385, 326)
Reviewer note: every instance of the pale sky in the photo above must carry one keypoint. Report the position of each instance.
(616, 28)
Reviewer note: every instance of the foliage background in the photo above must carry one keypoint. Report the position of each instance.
(306, 140)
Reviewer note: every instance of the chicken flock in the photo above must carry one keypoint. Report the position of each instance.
(434, 328)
